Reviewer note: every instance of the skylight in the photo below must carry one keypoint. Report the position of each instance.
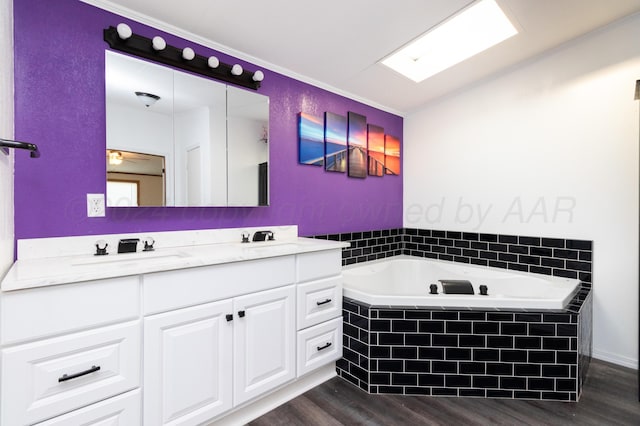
(466, 34)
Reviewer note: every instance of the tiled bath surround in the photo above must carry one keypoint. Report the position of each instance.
(550, 256)
(463, 352)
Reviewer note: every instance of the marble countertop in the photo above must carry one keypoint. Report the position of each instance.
(42, 272)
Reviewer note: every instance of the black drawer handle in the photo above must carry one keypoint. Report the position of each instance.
(324, 302)
(324, 347)
(229, 317)
(66, 377)
(241, 314)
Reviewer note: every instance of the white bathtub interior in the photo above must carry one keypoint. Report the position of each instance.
(405, 281)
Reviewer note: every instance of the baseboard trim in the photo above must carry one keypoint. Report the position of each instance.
(245, 414)
(615, 359)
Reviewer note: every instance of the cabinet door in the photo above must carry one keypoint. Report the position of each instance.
(187, 359)
(264, 342)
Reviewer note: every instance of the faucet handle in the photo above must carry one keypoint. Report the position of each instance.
(245, 237)
(101, 248)
(148, 244)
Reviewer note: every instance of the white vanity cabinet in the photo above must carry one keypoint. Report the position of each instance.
(200, 361)
(66, 348)
(228, 334)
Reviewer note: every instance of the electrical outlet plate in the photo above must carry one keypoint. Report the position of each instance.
(95, 205)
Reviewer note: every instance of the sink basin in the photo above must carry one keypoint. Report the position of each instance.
(141, 257)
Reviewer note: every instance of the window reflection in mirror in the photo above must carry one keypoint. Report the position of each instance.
(213, 137)
(135, 179)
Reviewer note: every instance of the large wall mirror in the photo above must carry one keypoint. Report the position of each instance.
(176, 139)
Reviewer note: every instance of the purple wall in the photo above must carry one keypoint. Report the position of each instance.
(59, 105)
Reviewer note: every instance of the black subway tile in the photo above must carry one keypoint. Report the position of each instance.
(454, 235)
(431, 326)
(457, 381)
(514, 328)
(527, 395)
(529, 260)
(496, 264)
(498, 247)
(556, 343)
(557, 396)
(390, 389)
(540, 270)
(470, 253)
(492, 238)
(578, 266)
(552, 262)
(566, 385)
(485, 382)
(499, 393)
(458, 354)
(509, 239)
(477, 393)
(500, 341)
(500, 368)
(527, 370)
(567, 330)
(444, 392)
(458, 327)
(417, 366)
(470, 236)
(519, 383)
(404, 326)
(406, 352)
(431, 353)
(499, 316)
(529, 241)
(542, 357)
(471, 341)
(445, 242)
(444, 340)
(518, 267)
(472, 368)
(446, 367)
(379, 352)
(479, 246)
(438, 234)
(565, 254)
(480, 262)
(557, 370)
(486, 354)
(528, 342)
(579, 244)
(445, 315)
(390, 339)
(462, 244)
(413, 390)
(513, 355)
(517, 249)
(529, 317)
(553, 242)
(380, 325)
(486, 327)
(417, 339)
(540, 384)
(508, 257)
(473, 316)
(404, 379)
(541, 251)
(488, 255)
(565, 273)
(390, 313)
(542, 329)
(557, 318)
(390, 365)
(430, 379)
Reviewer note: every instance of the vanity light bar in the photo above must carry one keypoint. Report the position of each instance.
(158, 51)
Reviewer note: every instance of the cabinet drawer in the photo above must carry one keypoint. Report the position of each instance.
(42, 312)
(164, 291)
(121, 410)
(319, 345)
(47, 378)
(319, 301)
(320, 264)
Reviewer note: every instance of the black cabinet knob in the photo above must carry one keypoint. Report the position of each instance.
(229, 317)
(241, 314)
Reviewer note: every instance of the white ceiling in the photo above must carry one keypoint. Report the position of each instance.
(337, 44)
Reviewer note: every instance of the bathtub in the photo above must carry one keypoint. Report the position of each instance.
(406, 280)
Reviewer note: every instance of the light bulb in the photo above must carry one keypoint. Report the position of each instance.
(124, 31)
(188, 53)
(236, 70)
(213, 62)
(158, 43)
(258, 76)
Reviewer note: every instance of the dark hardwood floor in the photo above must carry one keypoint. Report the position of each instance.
(610, 397)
